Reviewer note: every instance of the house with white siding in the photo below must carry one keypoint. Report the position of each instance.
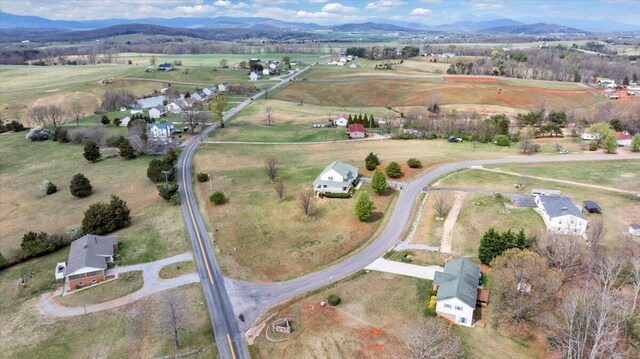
(561, 215)
(337, 177)
(457, 288)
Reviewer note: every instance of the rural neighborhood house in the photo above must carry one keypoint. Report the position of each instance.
(88, 260)
(561, 215)
(337, 177)
(457, 289)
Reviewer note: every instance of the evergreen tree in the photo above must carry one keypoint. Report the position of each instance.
(490, 246)
(610, 144)
(171, 157)
(349, 120)
(635, 143)
(378, 182)
(92, 151)
(371, 161)
(360, 119)
(126, 151)
(120, 213)
(80, 186)
(363, 206)
(34, 244)
(101, 218)
(635, 78)
(394, 170)
(3, 261)
(373, 121)
(167, 191)
(521, 241)
(625, 81)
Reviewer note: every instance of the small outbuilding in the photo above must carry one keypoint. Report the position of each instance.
(356, 130)
(634, 229)
(592, 207)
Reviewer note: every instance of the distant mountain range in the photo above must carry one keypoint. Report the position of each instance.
(529, 26)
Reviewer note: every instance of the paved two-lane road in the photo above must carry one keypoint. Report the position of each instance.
(229, 337)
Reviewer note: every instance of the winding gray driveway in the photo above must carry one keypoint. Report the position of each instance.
(152, 284)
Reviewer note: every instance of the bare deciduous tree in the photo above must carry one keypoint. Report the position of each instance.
(271, 167)
(306, 202)
(194, 116)
(557, 146)
(55, 116)
(441, 205)
(38, 115)
(280, 190)
(633, 273)
(175, 317)
(523, 281)
(431, 339)
(595, 234)
(76, 112)
(566, 253)
(268, 115)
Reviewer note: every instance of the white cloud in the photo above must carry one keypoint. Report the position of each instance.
(419, 12)
(338, 8)
(223, 3)
(384, 4)
(431, 1)
(194, 10)
(317, 1)
(275, 2)
(544, 7)
(485, 4)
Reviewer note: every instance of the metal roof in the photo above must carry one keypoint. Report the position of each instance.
(558, 206)
(459, 280)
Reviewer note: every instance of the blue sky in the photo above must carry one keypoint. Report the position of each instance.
(432, 12)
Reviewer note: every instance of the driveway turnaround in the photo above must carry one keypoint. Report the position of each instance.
(410, 270)
(152, 284)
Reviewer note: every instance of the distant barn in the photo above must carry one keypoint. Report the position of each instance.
(592, 207)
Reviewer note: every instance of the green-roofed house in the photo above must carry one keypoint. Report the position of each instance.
(457, 290)
(337, 177)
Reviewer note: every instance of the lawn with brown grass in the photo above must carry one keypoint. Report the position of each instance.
(263, 238)
(126, 283)
(430, 227)
(178, 269)
(370, 322)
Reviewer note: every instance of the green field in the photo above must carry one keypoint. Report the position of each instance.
(25, 164)
(619, 174)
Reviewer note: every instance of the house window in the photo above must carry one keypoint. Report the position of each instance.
(447, 306)
(324, 186)
(330, 178)
(79, 283)
(344, 188)
(93, 281)
(458, 308)
(463, 320)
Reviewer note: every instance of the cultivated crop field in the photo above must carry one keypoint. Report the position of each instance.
(355, 91)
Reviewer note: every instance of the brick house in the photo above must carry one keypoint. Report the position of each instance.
(88, 260)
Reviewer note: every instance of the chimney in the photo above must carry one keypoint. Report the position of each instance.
(86, 244)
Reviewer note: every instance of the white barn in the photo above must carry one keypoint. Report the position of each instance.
(561, 215)
(341, 121)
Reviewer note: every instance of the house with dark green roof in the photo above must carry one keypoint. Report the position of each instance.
(457, 289)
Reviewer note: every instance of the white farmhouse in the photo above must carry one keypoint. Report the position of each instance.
(561, 215)
(590, 136)
(154, 113)
(160, 130)
(253, 76)
(266, 72)
(124, 122)
(457, 288)
(337, 177)
(173, 107)
(341, 121)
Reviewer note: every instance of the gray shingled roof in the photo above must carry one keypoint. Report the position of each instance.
(90, 251)
(635, 226)
(558, 206)
(348, 172)
(459, 280)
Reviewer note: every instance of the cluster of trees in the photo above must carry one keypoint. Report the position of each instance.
(494, 243)
(383, 52)
(101, 218)
(550, 124)
(14, 126)
(164, 170)
(369, 122)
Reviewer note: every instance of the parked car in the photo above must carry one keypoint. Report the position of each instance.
(563, 152)
(455, 139)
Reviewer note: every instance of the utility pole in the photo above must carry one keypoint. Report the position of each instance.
(166, 177)
(210, 183)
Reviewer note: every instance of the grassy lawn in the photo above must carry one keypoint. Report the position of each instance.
(618, 212)
(153, 234)
(261, 237)
(126, 283)
(289, 131)
(429, 230)
(370, 321)
(178, 269)
(619, 174)
(480, 212)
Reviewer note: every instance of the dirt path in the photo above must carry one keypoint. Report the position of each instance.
(152, 284)
(596, 186)
(450, 222)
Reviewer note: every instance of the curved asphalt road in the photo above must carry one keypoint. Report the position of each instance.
(229, 337)
(254, 299)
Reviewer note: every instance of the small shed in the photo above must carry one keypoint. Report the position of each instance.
(592, 207)
(634, 229)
